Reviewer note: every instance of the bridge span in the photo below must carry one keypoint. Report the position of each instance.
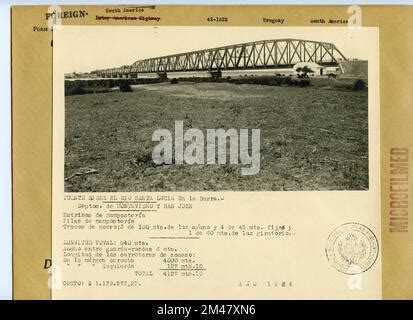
(265, 54)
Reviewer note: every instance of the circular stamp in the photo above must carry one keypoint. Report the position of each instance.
(352, 248)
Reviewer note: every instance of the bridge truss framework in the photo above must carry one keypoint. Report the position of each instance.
(265, 54)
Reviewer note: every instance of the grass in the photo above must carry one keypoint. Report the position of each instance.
(312, 138)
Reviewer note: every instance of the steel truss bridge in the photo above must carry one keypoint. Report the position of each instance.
(265, 54)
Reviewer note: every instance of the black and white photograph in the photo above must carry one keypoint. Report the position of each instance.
(216, 109)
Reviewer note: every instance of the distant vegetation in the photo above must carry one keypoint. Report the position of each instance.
(272, 81)
(78, 87)
(304, 71)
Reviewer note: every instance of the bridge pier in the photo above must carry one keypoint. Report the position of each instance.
(215, 74)
(162, 75)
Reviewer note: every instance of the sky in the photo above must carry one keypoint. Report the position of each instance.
(88, 48)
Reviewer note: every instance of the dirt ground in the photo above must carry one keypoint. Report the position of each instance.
(313, 138)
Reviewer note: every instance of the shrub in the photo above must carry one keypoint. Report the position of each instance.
(359, 85)
(124, 86)
(288, 81)
(110, 83)
(74, 91)
(144, 158)
(174, 81)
